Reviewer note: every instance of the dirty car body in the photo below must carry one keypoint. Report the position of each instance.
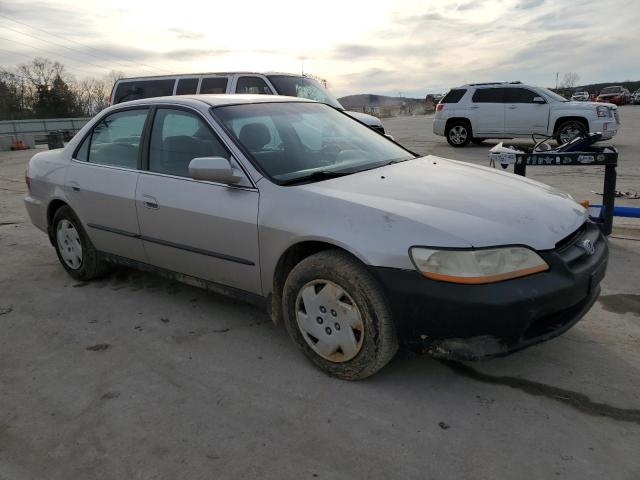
(304, 178)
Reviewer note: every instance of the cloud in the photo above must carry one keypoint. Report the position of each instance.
(529, 4)
(186, 34)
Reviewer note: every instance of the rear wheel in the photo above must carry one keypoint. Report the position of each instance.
(458, 133)
(75, 251)
(569, 130)
(337, 315)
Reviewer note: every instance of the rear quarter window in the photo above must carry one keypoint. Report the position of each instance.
(454, 96)
(137, 89)
(489, 95)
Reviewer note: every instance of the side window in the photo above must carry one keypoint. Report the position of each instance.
(82, 153)
(214, 85)
(454, 96)
(489, 95)
(520, 95)
(135, 90)
(253, 85)
(116, 139)
(187, 86)
(177, 137)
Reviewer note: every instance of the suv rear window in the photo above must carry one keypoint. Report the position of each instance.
(454, 96)
(489, 95)
(135, 90)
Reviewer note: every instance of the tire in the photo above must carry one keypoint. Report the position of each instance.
(75, 251)
(478, 141)
(458, 133)
(354, 333)
(568, 130)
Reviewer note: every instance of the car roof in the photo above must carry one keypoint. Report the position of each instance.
(187, 75)
(216, 100)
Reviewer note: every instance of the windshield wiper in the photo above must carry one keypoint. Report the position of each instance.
(316, 176)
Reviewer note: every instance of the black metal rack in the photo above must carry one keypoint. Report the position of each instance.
(605, 156)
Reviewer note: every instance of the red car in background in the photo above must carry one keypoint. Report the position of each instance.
(615, 94)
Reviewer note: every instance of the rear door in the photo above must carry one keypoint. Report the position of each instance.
(522, 115)
(101, 182)
(488, 110)
(198, 228)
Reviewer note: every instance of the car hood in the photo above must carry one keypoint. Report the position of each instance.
(477, 206)
(365, 118)
(589, 105)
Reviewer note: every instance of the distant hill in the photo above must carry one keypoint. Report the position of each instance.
(384, 106)
(596, 87)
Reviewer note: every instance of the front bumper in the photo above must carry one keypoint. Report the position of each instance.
(607, 126)
(477, 321)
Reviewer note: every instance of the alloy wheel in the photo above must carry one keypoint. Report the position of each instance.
(458, 134)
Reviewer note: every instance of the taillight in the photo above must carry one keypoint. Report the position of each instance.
(439, 107)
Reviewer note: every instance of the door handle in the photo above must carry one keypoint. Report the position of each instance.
(150, 202)
(512, 107)
(475, 106)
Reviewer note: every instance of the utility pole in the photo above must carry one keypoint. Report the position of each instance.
(557, 73)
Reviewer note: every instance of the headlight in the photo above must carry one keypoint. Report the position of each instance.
(477, 266)
(603, 111)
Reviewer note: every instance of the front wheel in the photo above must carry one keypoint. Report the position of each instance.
(337, 315)
(458, 133)
(570, 130)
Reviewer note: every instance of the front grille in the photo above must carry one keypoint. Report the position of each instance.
(570, 248)
(571, 238)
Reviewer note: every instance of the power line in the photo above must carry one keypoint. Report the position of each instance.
(58, 44)
(83, 45)
(50, 53)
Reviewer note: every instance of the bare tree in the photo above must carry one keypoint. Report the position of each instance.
(569, 82)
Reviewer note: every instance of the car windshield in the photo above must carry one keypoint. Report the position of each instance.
(553, 95)
(296, 142)
(610, 90)
(303, 87)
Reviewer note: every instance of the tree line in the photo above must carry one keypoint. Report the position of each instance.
(44, 89)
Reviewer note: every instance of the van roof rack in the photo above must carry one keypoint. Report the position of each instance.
(517, 82)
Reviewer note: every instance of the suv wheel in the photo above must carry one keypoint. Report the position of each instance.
(569, 130)
(75, 251)
(458, 133)
(337, 315)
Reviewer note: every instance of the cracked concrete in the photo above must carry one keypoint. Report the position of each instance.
(232, 398)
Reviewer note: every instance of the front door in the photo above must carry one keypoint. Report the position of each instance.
(488, 110)
(522, 115)
(101, 183)
(197, 228)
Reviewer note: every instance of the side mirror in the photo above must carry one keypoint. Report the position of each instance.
(539, 100)
(214, 169)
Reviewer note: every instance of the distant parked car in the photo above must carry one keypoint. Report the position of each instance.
(253, 83)
(580, 97)
(478, 111)
(635, 97)
(615, 94)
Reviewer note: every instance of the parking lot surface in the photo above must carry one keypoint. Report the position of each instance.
(137, 377)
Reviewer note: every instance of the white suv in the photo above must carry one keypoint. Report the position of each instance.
(478, 111)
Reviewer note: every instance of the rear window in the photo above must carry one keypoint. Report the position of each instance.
(454, 96)
(135, 90)
(187, 86)
(214, 85)
(489, 95)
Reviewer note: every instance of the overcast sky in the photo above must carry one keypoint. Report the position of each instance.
(385, 47)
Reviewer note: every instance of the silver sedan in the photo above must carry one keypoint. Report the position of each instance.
(353, 242)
